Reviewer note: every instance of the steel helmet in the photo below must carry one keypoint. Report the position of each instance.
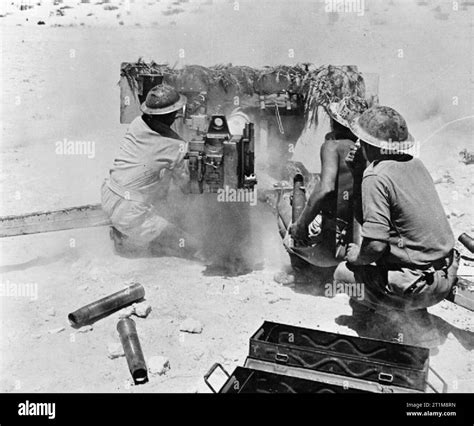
(382, 125)
(162, 99)
(347, 109)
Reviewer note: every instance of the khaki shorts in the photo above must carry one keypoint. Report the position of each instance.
(140, 222)
(402, 289)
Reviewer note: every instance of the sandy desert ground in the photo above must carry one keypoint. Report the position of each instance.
(59, 81)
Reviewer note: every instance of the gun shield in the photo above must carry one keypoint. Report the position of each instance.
(107, 305)
(133, 350)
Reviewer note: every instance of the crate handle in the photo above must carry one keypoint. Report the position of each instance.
(211, 371)
(445, 385)
(386, 377)
(281, 357)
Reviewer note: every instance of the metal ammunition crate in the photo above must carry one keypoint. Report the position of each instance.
(247, 380)
(340, 360)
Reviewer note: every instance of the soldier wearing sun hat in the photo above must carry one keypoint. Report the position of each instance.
(334, 172)
(150, 158)
(406, 258)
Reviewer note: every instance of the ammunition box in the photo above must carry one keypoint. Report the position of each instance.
(355, 362)
(247, 380)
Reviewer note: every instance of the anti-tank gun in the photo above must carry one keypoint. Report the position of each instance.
(218, 159)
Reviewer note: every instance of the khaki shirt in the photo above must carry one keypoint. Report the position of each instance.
(401, 206)
(147, 161)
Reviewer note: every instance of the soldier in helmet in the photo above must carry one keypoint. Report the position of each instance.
(149, 161)
(334, 170)
(406, 259)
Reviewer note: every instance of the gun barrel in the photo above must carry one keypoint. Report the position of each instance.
(133, 350)
(107, 305)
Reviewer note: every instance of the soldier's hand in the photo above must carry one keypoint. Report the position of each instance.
(180, 176)
(352, 252)
(299, 233)
(351, 156)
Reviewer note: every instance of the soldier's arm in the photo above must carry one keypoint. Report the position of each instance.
(327, 184)
(357, 198)
(356, 164)
(180, 170)
(377, 222)
(369, 251)
(181, 177)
